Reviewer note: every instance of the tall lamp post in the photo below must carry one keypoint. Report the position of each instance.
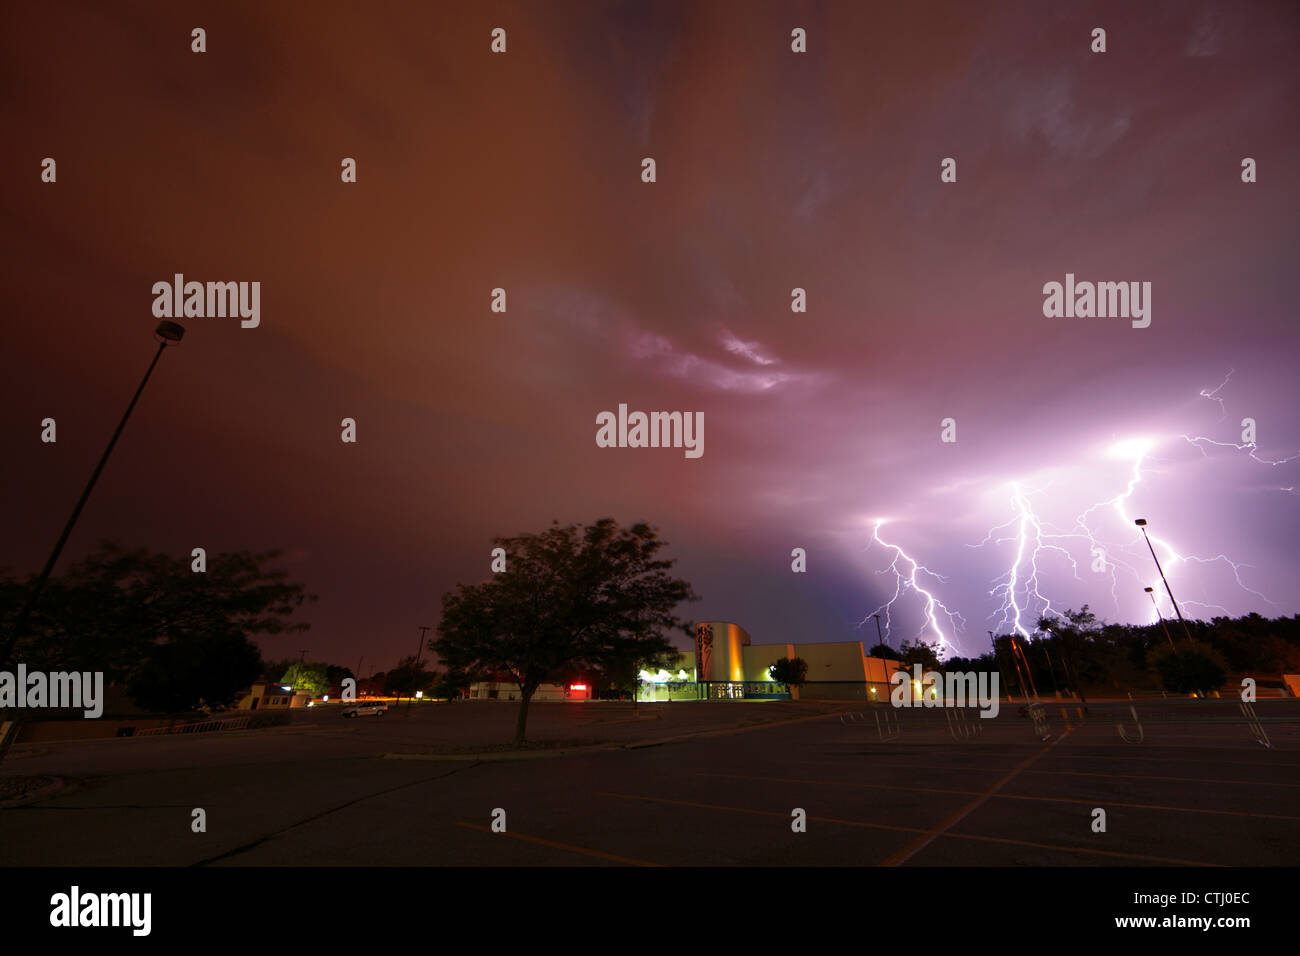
(1152, 592)
(415, 668)
(1142, 523)
(419, 648)
(167, 333)
(1005, 683)
(1017, 649)
(880, 639)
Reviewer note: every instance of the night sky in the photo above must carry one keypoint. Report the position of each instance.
(775, 170)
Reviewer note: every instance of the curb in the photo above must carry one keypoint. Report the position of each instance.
(506, 755)
(725, 732)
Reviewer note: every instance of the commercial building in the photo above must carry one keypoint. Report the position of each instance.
(726, 665)
(272, 695)
(509, 690)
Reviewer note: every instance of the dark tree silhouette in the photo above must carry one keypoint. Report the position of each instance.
(791, 671)
(590, 597)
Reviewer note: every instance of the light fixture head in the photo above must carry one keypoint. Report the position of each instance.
(169, 332)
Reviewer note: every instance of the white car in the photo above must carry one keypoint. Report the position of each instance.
(370, 708)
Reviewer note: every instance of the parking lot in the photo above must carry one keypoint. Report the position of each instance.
(1197, 789)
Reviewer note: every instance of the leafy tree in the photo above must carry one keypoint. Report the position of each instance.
(204, 672)
(140, 616)
(623, 670)
(916, 652)
(447, 686)
(986, 662)
(884, 652)
(313, 678)
(276, 669)
(109, 608)
(591, 597)
(335, 675)
(407, 678)
(1189, 668)
(792, 671)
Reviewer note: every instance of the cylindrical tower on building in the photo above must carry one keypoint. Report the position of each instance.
(718, 652)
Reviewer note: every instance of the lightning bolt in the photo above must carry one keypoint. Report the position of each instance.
(1020, 591)
(1017, 588)
(1252, 447)
(1199, 441)
(1214, 395)
(907, 578)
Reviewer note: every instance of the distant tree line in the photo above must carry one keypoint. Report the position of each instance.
(1077, 652)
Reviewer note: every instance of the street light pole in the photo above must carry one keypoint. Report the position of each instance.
(1052, 671)
(167, 333)
(415, 668)
(1017, 649)
(880, 640)
(1152, 592)
(424, 629)
(1142, 523)
(1005, 683)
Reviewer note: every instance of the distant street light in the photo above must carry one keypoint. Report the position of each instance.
(415, 668)
(880, 642)
(419, 648)
(1142, 523)
(1152, 592)
(1005, 683)
(1017, 649)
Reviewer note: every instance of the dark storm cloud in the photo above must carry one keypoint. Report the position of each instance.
(775, 171)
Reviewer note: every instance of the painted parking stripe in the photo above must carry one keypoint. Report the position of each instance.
(559, 846)
(1005, 841)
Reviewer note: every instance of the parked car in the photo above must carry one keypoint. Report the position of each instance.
(369, 708)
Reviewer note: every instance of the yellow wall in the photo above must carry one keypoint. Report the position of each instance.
(880, 670)
(759, 657)
(835, 660)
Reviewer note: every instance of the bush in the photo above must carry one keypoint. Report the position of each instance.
(1192, 668)
(792, 670)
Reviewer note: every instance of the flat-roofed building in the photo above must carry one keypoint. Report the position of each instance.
(735, 668)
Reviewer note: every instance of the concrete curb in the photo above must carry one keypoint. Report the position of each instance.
(506, 755)
(49, 790)
(725, 732)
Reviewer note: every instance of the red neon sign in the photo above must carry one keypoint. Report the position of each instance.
(577, 687)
